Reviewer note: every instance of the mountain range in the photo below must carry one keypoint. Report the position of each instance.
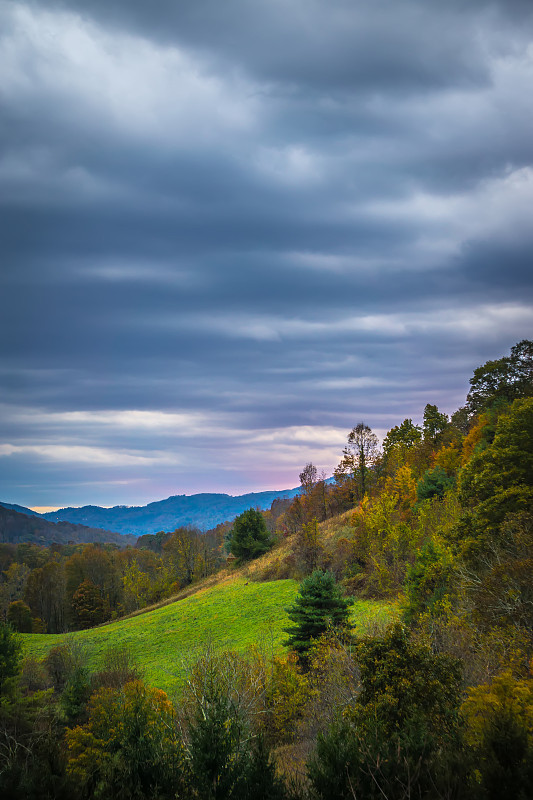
(202, 511)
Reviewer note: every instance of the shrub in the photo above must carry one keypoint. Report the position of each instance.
(427, 582)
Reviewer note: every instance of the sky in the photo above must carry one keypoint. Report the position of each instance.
(230, 231)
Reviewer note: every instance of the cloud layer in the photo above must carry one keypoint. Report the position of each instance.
(232, 231)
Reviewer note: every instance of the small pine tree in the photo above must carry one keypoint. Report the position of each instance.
(318, 607)
(434, 483)
(76, 695)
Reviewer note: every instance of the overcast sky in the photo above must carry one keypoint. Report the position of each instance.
(230, 231)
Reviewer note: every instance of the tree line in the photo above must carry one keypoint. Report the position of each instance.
(69, 587)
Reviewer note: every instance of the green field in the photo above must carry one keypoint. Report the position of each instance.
(229, 615)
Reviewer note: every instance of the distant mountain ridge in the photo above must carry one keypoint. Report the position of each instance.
(16, 527)
(21, 509)
(203, 511)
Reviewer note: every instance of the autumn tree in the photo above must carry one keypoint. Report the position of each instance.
(314, 492)
(401, 439)
(13, 586)
(88, 605)
(152, 541)
(402, 679)
(499, 720)
(129, 749)
(400, 736)
(359, 456)
(308, 478)
(287, 692)
(45, 595)
(307, 547)
(136, 587)
(184, 552)
(294, 517)
(99, 565)
(498, 482)
(19, 616)
(402, 449)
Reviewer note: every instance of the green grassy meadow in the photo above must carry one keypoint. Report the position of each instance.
(231, 615)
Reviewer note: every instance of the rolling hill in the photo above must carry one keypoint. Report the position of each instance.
(16, 527)
(233, 613)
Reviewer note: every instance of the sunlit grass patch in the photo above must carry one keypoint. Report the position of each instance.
(233, 615)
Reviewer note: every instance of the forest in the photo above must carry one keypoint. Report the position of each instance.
(437, 521)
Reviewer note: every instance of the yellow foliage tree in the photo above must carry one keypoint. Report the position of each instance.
(129, 748)
(286, 695)
(136, 587)
(403, 485)
(474, 436)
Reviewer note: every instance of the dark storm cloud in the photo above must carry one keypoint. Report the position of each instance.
(231, 231)
(337, 45)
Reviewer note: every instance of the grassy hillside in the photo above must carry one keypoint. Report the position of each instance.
(232, 614)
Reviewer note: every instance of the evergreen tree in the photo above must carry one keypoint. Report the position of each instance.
(435, 423)
(318, 607)
(250, 538)
(434, 483)
(217, 748)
